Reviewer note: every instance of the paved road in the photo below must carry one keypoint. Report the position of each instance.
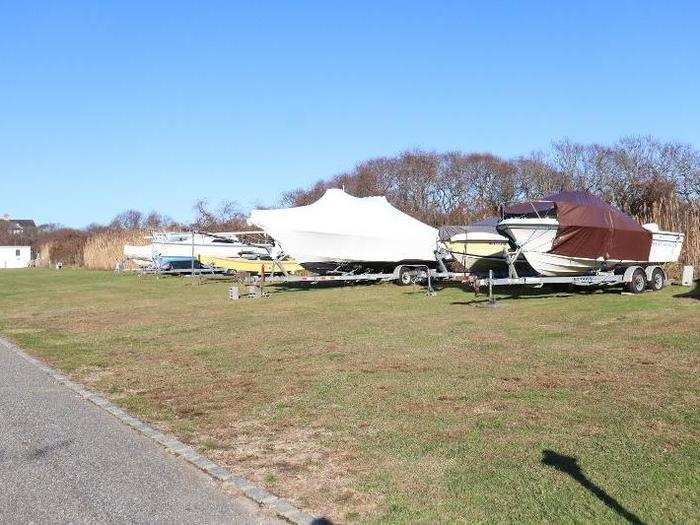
(63, 459)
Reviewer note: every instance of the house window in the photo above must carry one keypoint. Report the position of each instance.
(16, 253)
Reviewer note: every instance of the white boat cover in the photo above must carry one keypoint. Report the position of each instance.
(340, 227)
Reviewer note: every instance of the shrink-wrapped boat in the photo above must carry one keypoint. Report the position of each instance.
(341, 233)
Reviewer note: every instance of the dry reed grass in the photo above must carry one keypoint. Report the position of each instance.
(44, 255)
(105, 249)
(63, 246)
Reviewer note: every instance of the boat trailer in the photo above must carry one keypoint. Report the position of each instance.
(636, 279)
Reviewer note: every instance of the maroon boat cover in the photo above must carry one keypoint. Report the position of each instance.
(590, 227)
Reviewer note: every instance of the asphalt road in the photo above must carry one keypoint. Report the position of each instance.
(63, 459)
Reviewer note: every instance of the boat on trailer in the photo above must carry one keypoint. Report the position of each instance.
(476, 248)
(255, 266)
(187, 244)
(576, 233)
(342, 234)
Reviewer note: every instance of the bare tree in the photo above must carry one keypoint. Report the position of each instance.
(127, 220)
(227, 217)
(537, 177)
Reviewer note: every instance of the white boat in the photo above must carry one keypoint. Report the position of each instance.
(180, 244)
(666, 246)
(340, 233)
(592, 236)
(140, 255)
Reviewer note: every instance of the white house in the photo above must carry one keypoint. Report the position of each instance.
(15, 256)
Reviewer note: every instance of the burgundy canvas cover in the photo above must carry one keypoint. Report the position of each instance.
(591, 228)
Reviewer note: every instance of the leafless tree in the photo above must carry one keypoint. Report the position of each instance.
(226, 217)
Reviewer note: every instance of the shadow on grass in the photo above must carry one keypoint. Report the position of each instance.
(569, 465)
(691, 294)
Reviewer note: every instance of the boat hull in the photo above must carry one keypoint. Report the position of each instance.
(324, 252)
(254, 266)
(476, 257)
(552, 265)
(185, 250)
(337, 267)
(173, 244)
(140, 255)
(665, 246)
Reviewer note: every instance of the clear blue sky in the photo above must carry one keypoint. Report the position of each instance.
(112, 105)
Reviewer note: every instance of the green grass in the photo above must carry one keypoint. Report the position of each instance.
(378, 403)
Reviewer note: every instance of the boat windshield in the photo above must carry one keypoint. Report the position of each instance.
(530, 209)
(224, 241)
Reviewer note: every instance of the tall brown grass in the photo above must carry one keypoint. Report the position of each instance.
(64, 246)
(43, 258)
(105, 249)
(674, 215)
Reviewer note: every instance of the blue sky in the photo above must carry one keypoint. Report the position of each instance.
(151, 105)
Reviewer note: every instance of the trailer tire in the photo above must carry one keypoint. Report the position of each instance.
(658, 279)
(406, 277)
(638, 282)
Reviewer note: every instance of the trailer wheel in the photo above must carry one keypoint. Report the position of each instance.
(638, 282)
(657, 279)
(406, 277)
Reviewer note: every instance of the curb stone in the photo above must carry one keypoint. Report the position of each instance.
(259, 495)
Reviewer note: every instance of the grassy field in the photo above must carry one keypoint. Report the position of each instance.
(377, 403)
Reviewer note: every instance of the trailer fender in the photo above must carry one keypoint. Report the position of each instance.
(635, 279)
(627, 277)
(656, 277)
(650, 271)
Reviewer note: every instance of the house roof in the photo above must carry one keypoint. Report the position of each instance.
(22, 222)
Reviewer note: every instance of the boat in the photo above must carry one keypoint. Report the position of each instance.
(187, 244)
(141, 255)
(577, 233)
(340, 233)
(476, 247)
(176, 262)
(253, 266)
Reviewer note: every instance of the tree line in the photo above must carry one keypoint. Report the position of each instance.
(635, 174)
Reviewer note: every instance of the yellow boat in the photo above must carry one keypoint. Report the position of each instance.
(477, 247)
(255, 266)
(477, 255)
